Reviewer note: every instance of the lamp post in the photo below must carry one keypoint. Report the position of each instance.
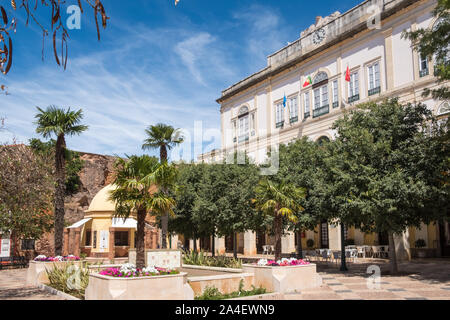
(343, 260)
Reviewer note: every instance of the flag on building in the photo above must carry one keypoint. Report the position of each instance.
(284, 100)
(347, 75)
(307, 82)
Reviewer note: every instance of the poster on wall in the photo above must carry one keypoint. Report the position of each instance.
(5, 248)
(104, 239)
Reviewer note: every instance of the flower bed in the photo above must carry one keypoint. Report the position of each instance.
(43, 258)
(130, 271)
(130, 283)
(282, 263)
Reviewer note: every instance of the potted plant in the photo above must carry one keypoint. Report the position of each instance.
(420, 244)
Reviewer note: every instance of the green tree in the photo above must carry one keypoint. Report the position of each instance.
(301, 163)
(162, 137)
(435, 43)
(385, 171)
(73, 162)
(59, 122)
(26, 193)
(138, 182)
(280, 200)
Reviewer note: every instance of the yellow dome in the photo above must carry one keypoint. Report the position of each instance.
(101, 202)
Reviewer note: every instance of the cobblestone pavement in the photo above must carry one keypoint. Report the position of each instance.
(418, 280)
(12, 287)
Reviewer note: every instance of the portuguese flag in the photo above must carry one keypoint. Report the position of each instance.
(307, 82)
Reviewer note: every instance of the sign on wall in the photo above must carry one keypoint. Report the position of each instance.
(5, 248)
(104, 240)
(164, 259)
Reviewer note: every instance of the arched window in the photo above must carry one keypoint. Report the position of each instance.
(444, 109)
(243, 124)
(243, 110)
(442, 57)
(320, 77)
(321, 104)
(323, 140)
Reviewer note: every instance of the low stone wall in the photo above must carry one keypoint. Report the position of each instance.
(36, 273)
(225, 283)
(230, 270)
(285, 279)
(168, 287)
(162, 258)
(262, 297)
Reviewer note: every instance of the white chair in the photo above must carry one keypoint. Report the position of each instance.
(361, 252)
(272, 249)
(375, 252)
(265, 250)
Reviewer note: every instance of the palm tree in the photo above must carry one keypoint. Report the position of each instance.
(162, 137)
(137, 183)
(280, 201)
(59, 122)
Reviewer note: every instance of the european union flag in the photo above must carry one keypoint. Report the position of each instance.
(284, 101)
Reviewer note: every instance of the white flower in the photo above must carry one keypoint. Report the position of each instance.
(150, 270)
(128, 267)
(262, 262)
(59, 258)
(41, 257)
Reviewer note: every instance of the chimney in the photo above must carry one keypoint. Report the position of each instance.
(318, 18)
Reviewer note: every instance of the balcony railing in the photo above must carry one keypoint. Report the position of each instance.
(424, 72)
(307, 115)
(234, 139)
(321, 111)
(353, 98)
(293, 119)
(335, 104)
(374, 91)
(244, 138)
(280, 124)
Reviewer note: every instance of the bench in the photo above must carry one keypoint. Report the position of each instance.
(7, 262)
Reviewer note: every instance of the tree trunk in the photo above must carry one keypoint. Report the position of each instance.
(60, 191)
(140, 239)
(195, 244)
(392, 254)
(213, 245)
(278, 234)
(163, 154)
(299, 245)
(235, 254)
(343, 257)
(164, 229)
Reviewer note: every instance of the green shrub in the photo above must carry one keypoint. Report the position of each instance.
(69, 279)
(310, 243)
(420, 243)
(349, 242)
(200, 259)
(212, 293)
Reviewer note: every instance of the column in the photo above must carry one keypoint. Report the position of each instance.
(389, 59)
(288, 243)
(66, 242)
(77, 241)
(219, 243)
(334, 236)
(111, 253)
(249, 243)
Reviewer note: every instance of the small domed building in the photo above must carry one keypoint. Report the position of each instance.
(100, 235)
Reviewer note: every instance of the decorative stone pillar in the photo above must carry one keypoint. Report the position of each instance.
(220, 245)
(154, 240)
(288, 243)
(76, 250)
(334, 236)
(112, 250)
(250, 243)
(66, 242)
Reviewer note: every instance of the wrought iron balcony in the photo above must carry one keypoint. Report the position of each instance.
(321, 111)
(353, 98)
(244, 138)
(424, 72)
(307, 115)
(374, 91)
(335, 104)
(280, 124)
(293, 119)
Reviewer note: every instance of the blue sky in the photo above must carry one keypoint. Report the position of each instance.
(155, 63)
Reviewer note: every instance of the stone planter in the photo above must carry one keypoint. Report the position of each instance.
(167, 287)
(36, 273)
(285, 279)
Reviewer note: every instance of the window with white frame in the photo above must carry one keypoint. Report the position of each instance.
(335, 89)
(252, 124)
(373, 73)
(307, 104)
(353, 87)
(279, 115)
(293, 110)
(243, 124)
(423, 66)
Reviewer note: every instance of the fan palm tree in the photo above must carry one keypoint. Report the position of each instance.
(59, 122)
(280, 201)
(138, 182)
(162, 137)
